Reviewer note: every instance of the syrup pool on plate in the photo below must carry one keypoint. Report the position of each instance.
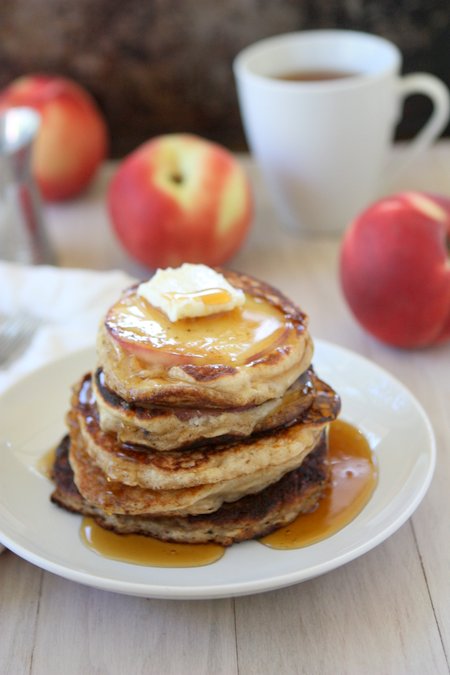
(141, 550)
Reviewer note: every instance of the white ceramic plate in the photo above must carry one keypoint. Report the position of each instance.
(32, 421)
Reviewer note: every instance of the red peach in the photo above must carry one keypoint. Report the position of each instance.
(395, 270)
(179, 198)
(72, 139)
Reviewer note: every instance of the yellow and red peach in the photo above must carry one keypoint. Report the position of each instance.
(395, 269)
(180, 198)
(72, 140)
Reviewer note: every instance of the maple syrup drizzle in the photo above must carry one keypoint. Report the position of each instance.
(233, 338)
(353, 479)
(142, 550)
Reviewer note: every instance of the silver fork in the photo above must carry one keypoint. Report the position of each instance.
(16, 333)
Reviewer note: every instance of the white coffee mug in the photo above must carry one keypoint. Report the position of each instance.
(323, 145)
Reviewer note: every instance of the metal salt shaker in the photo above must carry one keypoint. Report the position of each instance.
(22, 234)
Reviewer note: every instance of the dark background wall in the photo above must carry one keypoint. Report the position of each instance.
(159, 66)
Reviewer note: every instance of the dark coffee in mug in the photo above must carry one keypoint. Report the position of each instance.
(314, 75)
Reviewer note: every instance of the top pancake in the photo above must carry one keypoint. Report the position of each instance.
(269, 370)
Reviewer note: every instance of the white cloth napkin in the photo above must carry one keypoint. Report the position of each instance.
(69, 304)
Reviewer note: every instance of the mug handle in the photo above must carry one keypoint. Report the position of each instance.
(436, 90)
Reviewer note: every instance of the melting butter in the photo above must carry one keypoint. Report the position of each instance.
(190, 291)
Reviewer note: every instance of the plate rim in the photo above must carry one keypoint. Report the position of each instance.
(237, 589)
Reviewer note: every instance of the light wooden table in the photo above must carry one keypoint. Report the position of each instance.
(387, 612)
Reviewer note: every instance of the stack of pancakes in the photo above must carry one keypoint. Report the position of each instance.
(202, 450)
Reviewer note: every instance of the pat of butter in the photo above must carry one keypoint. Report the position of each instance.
(190, 291)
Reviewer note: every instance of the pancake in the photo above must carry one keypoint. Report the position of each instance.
(113, 496)
(171, 470)
(171, 428)
(298, 491)
(195, 367)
